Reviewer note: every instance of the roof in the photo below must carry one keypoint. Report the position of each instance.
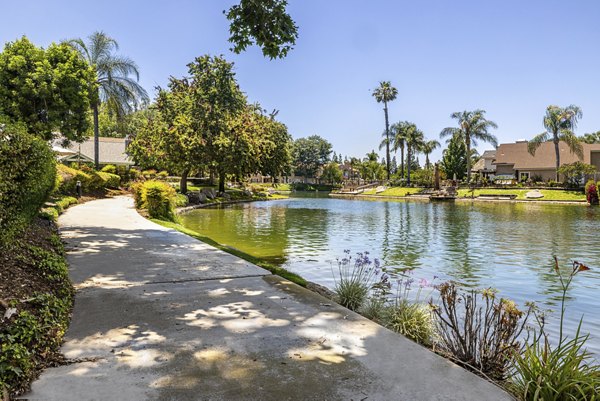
(516, 154)
(112, 150)
(489, 154)
(479, 165)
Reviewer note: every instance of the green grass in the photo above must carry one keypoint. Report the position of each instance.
(279, 271)
(549, 195)
(394, 191)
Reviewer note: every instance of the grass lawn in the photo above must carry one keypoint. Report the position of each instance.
(520, 192)
(394, 191)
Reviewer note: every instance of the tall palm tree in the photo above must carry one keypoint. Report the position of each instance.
(115, 86)
(414, 143)
(399, 141)
(472, 127)
(559, 123)
(427, 148)
(383, 94)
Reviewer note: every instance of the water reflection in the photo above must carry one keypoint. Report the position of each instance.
(506, 246)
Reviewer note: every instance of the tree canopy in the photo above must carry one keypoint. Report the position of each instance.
(454, 158)
(49, 90)
(264, 22)
(310, 154)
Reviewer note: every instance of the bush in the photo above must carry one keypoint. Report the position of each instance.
(27, 177)
(149, 174)
(110, 180)
(481, 338)
(109, 168)
(135, 174)
(356, 279)
(91, 181)
(157, 197)
(591, 192)
(162, 175)
(181, 200)
(411, 319)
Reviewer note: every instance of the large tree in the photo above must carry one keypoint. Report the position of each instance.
(46, 89)
(310, 154)
(454, 158)
(472, 128)
(399, 140)
(386, 93)
(117, 77)
(559, 122)
(264, 22)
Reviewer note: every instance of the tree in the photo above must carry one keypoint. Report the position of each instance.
(383, 94)
(264, 22)
(332, 173)
(114, 85)
(593, 137)
(399, 142)
(310, 154)
(472, 127)
(559, 123)
(370, 168)
(575, 172)
(47, 90)
(454, 158)
(427, 148)
(414, 142)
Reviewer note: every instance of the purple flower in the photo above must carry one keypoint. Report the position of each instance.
(423, 283)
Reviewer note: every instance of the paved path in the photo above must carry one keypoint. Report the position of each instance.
(161, 316)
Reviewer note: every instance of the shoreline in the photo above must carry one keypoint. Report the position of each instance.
(418, 198)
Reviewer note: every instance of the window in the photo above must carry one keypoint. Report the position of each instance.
(524, 176)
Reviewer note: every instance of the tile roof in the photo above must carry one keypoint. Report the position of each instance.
(516, 154)
(112, 150)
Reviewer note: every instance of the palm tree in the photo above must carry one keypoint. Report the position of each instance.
(414, 143)
(472, 127)
(559, 123)
(383, 94)
(427, 148)
(115, 87)
(399, 141)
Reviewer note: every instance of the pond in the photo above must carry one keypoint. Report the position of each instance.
(508, 246)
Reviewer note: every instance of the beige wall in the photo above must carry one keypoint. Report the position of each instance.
(595, 160)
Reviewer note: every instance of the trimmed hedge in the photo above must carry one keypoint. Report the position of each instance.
(157, 197)
(27, 177)
(91, 181)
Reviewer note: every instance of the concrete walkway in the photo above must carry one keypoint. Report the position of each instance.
(161, 316)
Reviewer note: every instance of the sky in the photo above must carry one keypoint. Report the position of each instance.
(510, 58)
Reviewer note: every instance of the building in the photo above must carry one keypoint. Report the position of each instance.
(513, 159)
(485, 165)
(111, 151)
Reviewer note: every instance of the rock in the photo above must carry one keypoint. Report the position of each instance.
(224, 195)
(210, 193)
(194, 197)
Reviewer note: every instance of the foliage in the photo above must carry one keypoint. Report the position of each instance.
(575, 172)
(563, 371)
(181, 200)
(386, 93)
(91, 181)
(591, 192)
(27, 177)
(110, 180)
(310, 154)
(264, 22)
(332, 174)
(423, 177)
(46, 89)
(109, 168)
(559, 123)
(593, 137)
(480, 337)
(472, 128)
(454, 159)
(157, 197)
(355, 279)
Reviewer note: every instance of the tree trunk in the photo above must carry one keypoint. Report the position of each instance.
(468, 143)
(221, 182)
(409, 156)
(387, 143)
(557, 151)
(402, 159)
(427, 161)
(183, 182)
(96, 137)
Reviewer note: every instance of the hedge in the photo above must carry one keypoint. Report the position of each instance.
(27, 177)
(91, 181)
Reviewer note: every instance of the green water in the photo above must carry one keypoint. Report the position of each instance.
(506, 246)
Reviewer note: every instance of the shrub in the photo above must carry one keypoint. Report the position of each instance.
(110, 180)
(149, 174)
(91, 181)
(411, 319)
(566, 371)
(591, 192)
(481, 338)
(63, 203)
(27, 177)
(157, 197)
(109, 168)
(135, 174)
(356, 278)
(162, 175)
(181, 200)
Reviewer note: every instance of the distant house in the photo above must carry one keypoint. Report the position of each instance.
(485, 165)
(111, 151)
(514, 159)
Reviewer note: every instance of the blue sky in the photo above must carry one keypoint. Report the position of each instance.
(511, 58)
